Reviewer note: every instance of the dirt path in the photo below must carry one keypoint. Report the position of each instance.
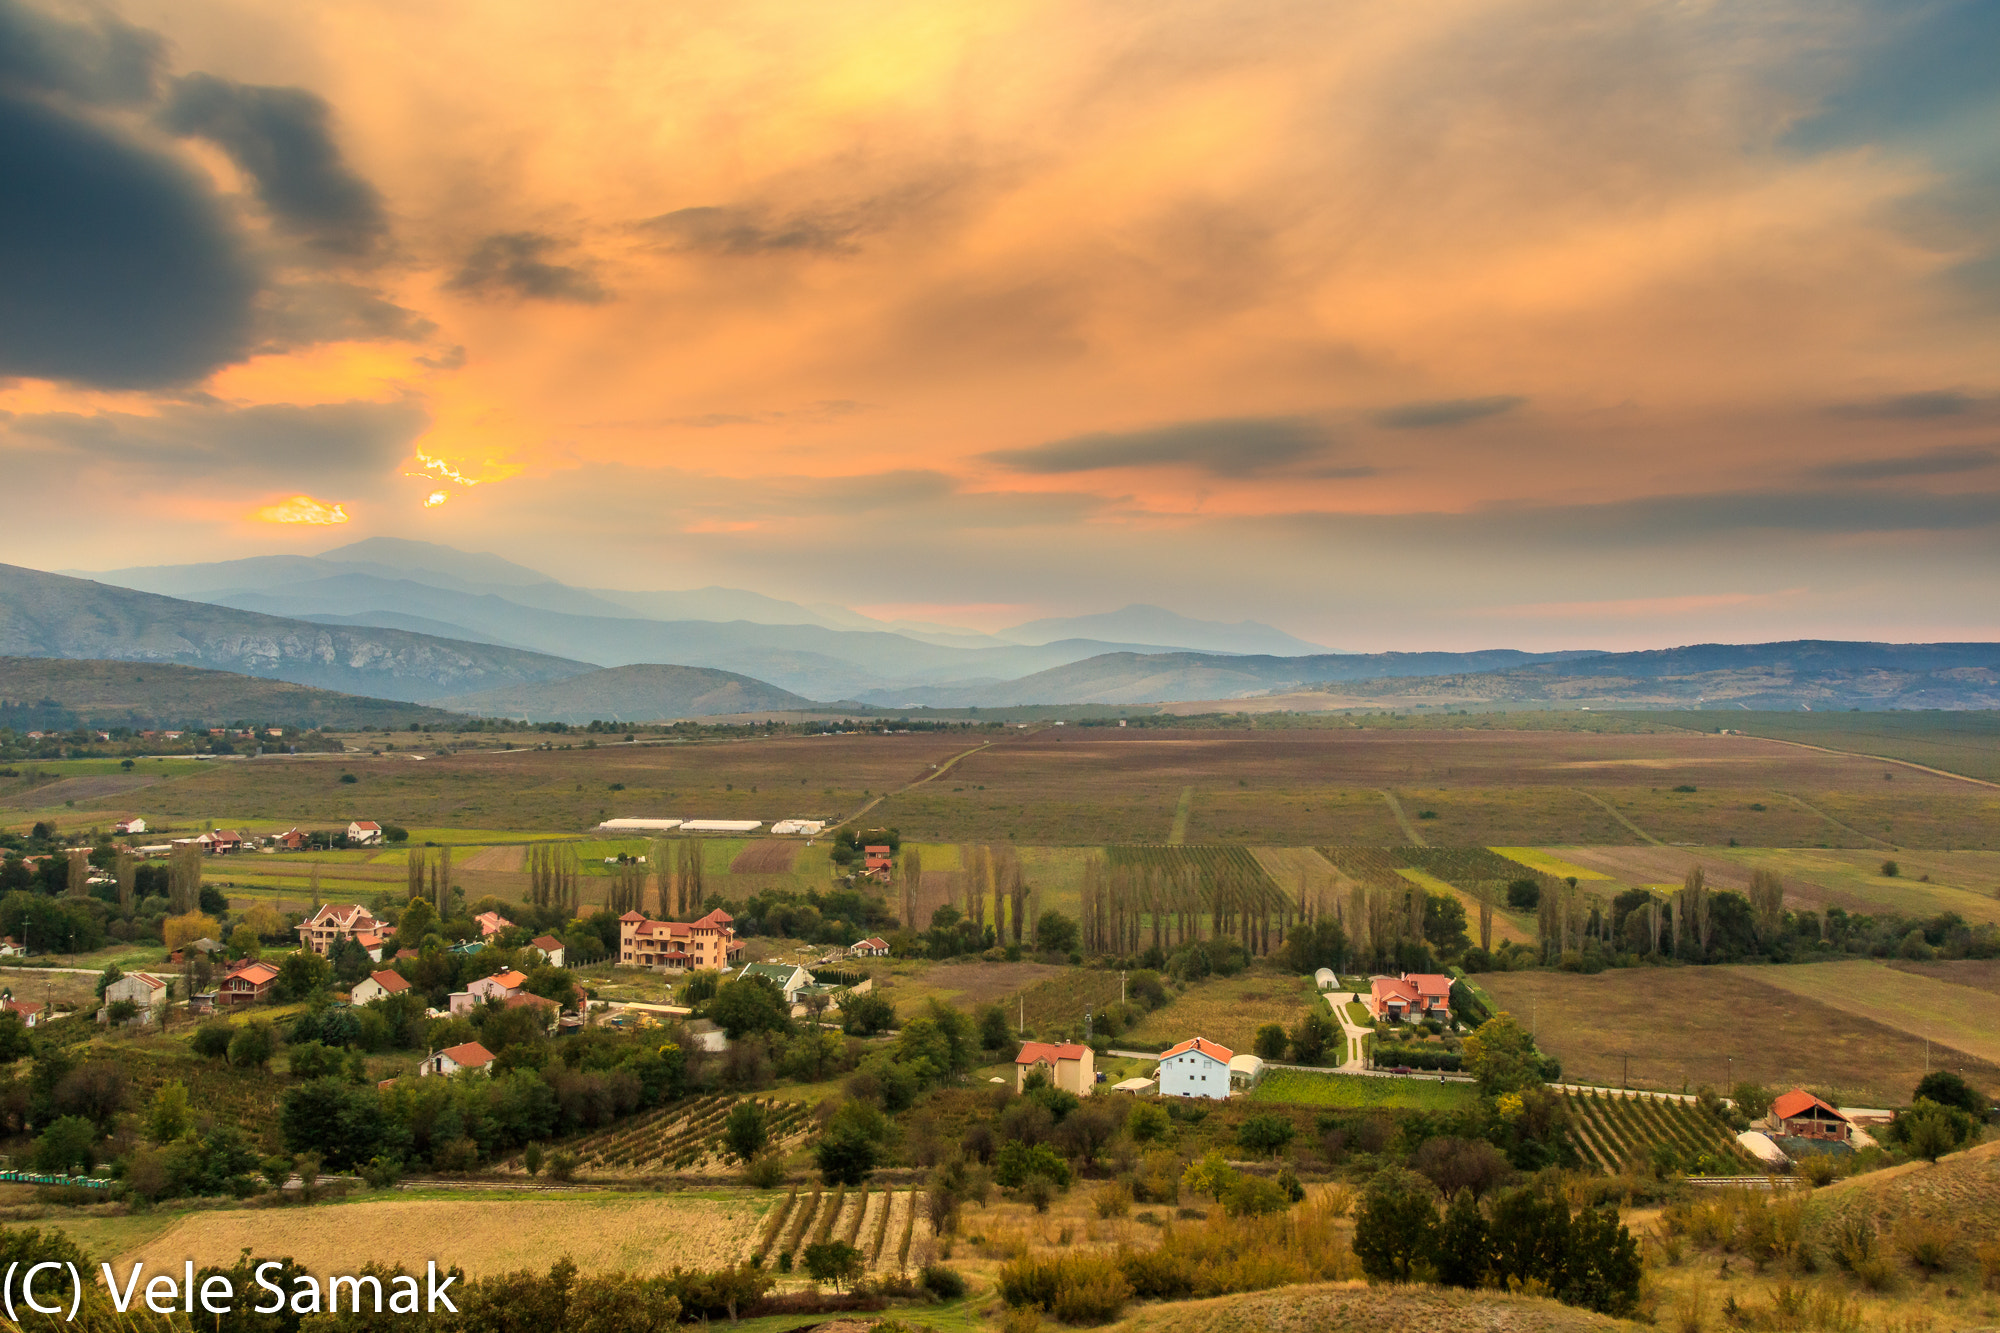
(931, 776)
(1606, 806)
(1845, 828)
(1178, 834)
(1351, 1032)
(1396, 809)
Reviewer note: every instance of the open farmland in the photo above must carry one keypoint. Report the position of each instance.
(1356, 1092)
(640, 1235)
(1229, 1009)
(1958, 1017)
(1979, 974)
(1688, 1026)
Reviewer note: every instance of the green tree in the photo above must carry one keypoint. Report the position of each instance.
(1266, 1135)
(1947, 1088)
(832, 1261)
(418, 920)
(846, 1156)
(1209, 1175)
(747, 1130)
(996, 1030)
(1146, 1122)
(1396, 1231)
(749, 1004)
(110, 975)
(212, 1038)
(69, 1145)
(252, 1046)
(1269, 1043)
(1753, 1100)
(1501, 1055)
(1930, 1130)
(866, 1014)
(1055, 933)
(302, 973)
(243, 943)
(1018, 1162)
(169, 1117)
(1311, 1037)
(1463, 1243)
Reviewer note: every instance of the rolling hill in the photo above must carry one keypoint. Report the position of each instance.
(632, 694)
(50, 615)
(59, 693)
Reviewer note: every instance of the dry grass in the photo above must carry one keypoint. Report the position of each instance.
(1231, 1009)
(1680, 1026)
(1357, 1308)
(769, 857)
(1956, 1016)
(483, 1236)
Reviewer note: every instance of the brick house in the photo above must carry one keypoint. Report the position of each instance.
(707, 945)
(338, 921)
(247, 984)
(1802, 1115)
(1070, 1066)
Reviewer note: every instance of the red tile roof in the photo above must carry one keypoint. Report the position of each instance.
(390, 981)
(1033, 1052)
(1797, 1102)
(547, 942)
(1212, 1050)
(469, 1056)
(254, 973)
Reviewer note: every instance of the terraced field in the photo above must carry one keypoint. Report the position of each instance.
(882, 1224)
(686, 1136)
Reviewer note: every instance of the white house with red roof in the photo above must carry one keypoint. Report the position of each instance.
(1069, 1065)
(378, 986)
(500, 986)
(550, 948)
(132, 825)
(707, 945)
(364, 832)
(872, 947)
(1197, 1067)
(29, 1014)
(455, 1059)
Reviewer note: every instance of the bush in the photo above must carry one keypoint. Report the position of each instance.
(382, 1173)
(212, 1038)
(1113, 1200)
(765, 1172)
(1018, 1162)
(944, 1283)
(562, 1166)
(1265, 1135)
(1252, 1196)
(1075, 1288)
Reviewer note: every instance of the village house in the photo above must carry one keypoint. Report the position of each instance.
(141, 988)
(550, 948)
(875, 862)
(1196, 1068)
(202, 1003)
(1804, 1116)
(491, 924)
(787, 977)
(292, 840)
(872, 947)
(132, 825)
(29, 1014)
(376, 986)
(1070, 1066)
(1433, 995)
(335, 922)
(364, 833)
(247, 983)
(1413, 996)
(707, 945)
(11, 948)
(454, 1059)
(223, 842)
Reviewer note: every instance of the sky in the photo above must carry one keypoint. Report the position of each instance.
(1441, 325)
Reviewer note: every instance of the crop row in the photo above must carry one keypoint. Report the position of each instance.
(1461, 867)
(681, 1136)
(878, 1223)
(1622, 1129)
(1208, 862)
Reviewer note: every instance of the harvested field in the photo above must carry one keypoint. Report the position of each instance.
(1363, 1091)
(92, 787)
(509, 859)
(1959, 1017)
(961, 984)
(646, 1235)
(1548, 862)
(769, 857)
(1681, 1026)
(1982, 974)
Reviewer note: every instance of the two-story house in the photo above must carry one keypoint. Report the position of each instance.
(707, 945)
(338, 921)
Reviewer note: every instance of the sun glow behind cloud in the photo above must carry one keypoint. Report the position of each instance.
(302, 509)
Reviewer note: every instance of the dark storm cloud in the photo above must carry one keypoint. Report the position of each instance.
(511, 264)
(282, 137)
(743, 231)
(104, 60)
(1909, 406)
(1935, 463)
(277, 442)
(118, 267)
(1238, 447)
(1445, 412)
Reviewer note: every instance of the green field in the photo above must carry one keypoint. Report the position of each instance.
(1361, 1092)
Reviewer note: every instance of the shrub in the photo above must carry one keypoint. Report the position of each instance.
(1113, 1200)
(562, 1166)
(1146, 1122)
(944, 1283)
(1075, 1288)
(382, 1173)
(1017, 1162)
(1251, 1196)
(1265, 1135)
(212, 1038)
(765, 1172)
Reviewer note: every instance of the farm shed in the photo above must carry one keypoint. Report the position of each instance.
(1245, 1072)
(639, 825)
(1326, 979)
(722, 825)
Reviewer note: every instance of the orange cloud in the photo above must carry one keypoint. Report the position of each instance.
(302, 509)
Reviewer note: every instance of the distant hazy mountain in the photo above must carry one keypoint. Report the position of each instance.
(1130, 678)
(1139, 623)
(633, 694)
(50, 692)
(50, 615)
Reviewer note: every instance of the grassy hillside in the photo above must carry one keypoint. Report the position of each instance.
(1359, 1309)
(162, 694)
(645, 693)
